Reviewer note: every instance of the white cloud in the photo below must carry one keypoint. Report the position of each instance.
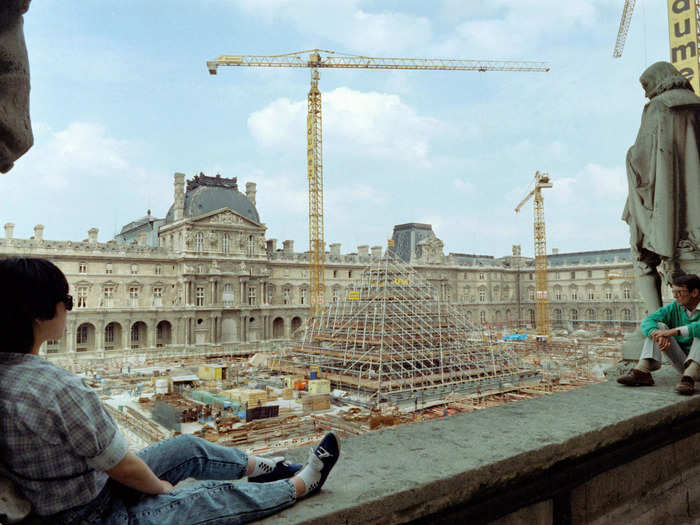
(464, 186)
(347, 24)
(354, 122)
(79, 177)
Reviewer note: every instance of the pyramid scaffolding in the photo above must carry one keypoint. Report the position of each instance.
(392, 336)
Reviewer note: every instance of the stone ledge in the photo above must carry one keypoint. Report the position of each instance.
(475, 464)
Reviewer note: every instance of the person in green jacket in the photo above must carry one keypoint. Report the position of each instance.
(673, 329)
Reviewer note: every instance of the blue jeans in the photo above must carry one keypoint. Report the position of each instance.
(210, 502)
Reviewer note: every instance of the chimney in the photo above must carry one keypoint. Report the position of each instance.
(335, 249)
(179, 196)
(288, 247)
(555, 251)
(39, 232)
(9, 230)
(271, 245)
(92, 235)
(250, 191)
(363, 251)
(142, 236)
(516, 250)
(376, 252)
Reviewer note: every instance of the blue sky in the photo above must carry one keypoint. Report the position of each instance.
(121, 99)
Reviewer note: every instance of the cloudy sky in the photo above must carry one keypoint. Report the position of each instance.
(121, 99)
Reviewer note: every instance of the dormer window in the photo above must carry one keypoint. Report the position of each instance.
(199, 242)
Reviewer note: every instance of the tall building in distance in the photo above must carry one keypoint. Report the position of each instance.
(207, 277)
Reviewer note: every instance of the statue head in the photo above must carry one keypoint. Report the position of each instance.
(662, 76)
(15, 127)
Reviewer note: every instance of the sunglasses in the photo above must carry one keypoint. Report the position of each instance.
(68, 301)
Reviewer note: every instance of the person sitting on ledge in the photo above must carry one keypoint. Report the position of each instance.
(675, 330)
(63, 450)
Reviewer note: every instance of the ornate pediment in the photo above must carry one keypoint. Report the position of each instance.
(226, 217)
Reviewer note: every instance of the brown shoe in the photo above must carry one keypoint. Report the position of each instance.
(686, 387)
(636, 378)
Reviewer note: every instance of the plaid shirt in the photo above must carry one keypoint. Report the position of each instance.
(56, 438)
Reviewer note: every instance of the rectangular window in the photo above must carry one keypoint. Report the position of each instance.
(349, 274)
(573, 275)
(531, 294)
(482, 276)
(108, 268)
(530, 276)
(626, 293)
(134, 269)
(251, 295)
(199, 296)
(228, 294)
(133, 296)
(557, 295)
(82, 267)
(286, 296)
(556, 276)
(108, 297)
(335, 273)
(82, 296)
(135, 336)
(590, 274)
(574, 295)
(158, 269)
(270, 293)
(157, 296)
(226, 242)
(482, 296)
(302, 296)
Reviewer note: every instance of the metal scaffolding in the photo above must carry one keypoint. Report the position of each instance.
(392, 336)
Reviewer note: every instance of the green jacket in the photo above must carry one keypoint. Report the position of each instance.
(674, 315)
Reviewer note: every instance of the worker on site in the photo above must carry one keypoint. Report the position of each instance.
(65, 453)
(674, 330)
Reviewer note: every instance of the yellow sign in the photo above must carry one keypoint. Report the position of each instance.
(390, 242)
(353, 296)
(401, 281)
(683, 37)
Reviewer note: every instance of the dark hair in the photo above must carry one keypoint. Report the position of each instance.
(30, 288)
(689, 280)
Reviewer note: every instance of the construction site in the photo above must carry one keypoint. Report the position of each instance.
(389, 353)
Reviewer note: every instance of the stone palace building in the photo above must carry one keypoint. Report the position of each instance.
(206, 276)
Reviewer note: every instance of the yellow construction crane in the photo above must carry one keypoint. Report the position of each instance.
(541, 303)
(624, 27)
(317, 59)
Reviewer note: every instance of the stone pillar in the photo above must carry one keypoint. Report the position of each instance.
(244, 292)
(271, 246)
(92, 235)
(39, 232)
(250, 191)
(179, 196)
(287, 328)
(376, 252)
(244, 318)
(335, 249)
(212, 292)
(262, 294)
(70, 336)
(288, 247)
(152, 333)
(363, 251)
(100, 336)
(9, 230)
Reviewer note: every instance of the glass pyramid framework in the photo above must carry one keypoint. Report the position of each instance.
(392, 335)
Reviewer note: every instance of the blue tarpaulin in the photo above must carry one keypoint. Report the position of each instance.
(514, 337)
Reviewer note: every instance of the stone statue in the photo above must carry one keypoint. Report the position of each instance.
(663, 174)
(15, 127)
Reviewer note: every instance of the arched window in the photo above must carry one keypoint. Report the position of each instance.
(627, 314)
(199, 242)
(531, 313)
(590, 314)
(626, 293)
(574, 315)
(608, 314)
(557, 315)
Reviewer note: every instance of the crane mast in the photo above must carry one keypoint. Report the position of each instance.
(314, 59)
(624, 27)
(542, 322)
(317, 248)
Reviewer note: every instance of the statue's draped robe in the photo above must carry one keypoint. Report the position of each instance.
(663, 173)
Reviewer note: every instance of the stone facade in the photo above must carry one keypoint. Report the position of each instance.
(215, 280)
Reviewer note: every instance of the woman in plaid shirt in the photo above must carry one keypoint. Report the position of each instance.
(66, 454)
